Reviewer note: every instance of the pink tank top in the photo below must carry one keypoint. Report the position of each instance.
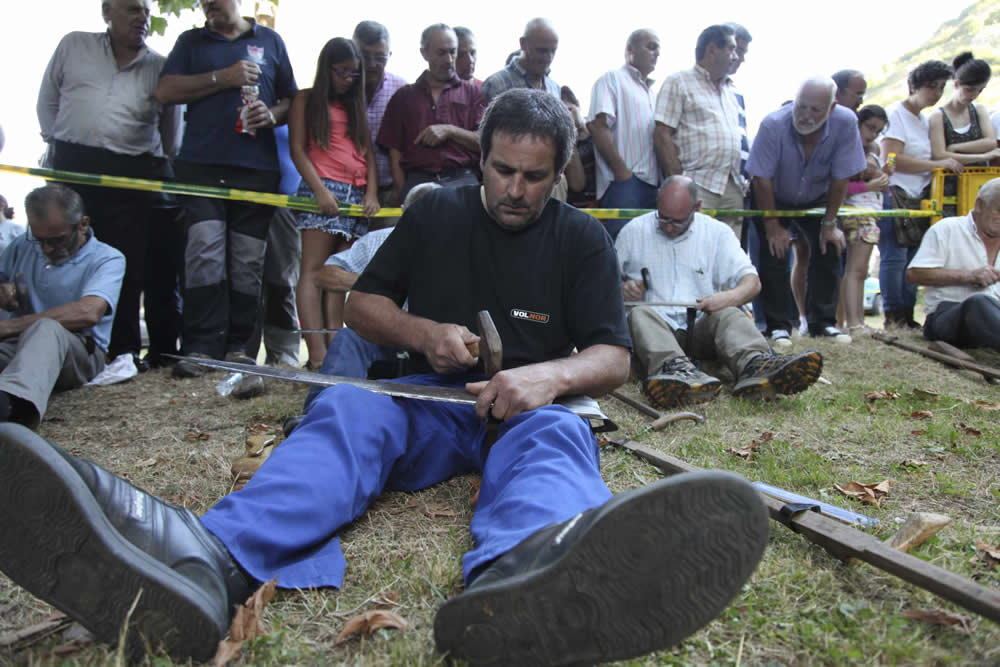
(341, 160)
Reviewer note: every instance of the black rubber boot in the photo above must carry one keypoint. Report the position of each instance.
(92, 545)
(634, 575)
(907, 320)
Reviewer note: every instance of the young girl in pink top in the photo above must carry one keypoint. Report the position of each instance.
(331, 148)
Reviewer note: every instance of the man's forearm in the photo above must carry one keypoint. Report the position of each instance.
(185, 88)
(82, 314)
(280, 111)
(666, 150)
(745, 291)
(939, 277)
(763, 191)
(465, 138)
(605, 145)
(835, 198)
(378, 319)
(595, 371)
(335, 279)
(396, 167)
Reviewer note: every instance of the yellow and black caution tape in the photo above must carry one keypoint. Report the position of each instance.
(353, 210)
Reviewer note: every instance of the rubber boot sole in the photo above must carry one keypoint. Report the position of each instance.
(665, 394)
(798, 375)
(59, 545)
(656, 564)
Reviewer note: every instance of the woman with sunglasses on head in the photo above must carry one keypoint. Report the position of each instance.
(331, 147)
(960, 129)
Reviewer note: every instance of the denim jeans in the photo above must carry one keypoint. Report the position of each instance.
(897, 294)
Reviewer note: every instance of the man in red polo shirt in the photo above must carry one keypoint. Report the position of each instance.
(430, 126)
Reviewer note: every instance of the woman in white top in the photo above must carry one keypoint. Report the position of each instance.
(907, 144)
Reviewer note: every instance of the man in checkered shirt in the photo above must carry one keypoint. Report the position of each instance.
(698, 131)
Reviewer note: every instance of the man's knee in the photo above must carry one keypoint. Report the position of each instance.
(983, 305)
(44, 326)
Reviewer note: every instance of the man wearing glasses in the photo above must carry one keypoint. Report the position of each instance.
(694, 259)
(61, 286)
(430, 126)
(236, 79)
(372, 39)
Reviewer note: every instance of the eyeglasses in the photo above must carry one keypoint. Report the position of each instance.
(676, 221)
(345, 74)
(375, 58)
(61, 242)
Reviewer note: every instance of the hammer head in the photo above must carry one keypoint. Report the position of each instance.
(490, 349)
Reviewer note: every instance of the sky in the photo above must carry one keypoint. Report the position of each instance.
(792, 40)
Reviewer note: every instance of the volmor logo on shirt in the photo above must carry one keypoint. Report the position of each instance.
(528, 315)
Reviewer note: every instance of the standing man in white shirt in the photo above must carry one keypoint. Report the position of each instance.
(959, 266)
(98, 114)
(693, 258)
(698, 131)
(621, 123)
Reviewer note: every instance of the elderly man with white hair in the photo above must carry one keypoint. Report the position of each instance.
(959, 264)
(802, 157)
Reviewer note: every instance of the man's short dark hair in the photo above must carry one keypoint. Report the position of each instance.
(463, 33)
(739, 32)
(69, 202)
(713, 34)
(425, 36)
(524, 112)
(844, 76)
(371, 32)
(927, 73)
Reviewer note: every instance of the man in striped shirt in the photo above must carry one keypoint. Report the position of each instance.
(621, 113)
(697, 124)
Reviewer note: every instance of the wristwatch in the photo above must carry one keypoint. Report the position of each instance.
(828, 224)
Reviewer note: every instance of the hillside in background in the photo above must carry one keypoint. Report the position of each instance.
(976, 29)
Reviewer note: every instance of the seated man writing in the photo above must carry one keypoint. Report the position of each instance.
(560, 570)
(61, 286)
(694, 259)
(957, 262)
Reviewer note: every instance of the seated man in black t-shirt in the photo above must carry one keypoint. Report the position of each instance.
(561, 571)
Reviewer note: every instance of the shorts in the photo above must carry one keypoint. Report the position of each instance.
(341, 225)
(861, 228)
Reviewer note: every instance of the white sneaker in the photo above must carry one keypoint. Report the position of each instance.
(780, 340)
(835, 334)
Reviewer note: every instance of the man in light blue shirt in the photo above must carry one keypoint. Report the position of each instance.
(62, 284)
(802, 157)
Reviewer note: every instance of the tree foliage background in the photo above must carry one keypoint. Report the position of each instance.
(158, 24)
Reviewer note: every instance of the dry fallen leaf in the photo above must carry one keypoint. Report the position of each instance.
(985, 405)
(246, 625)
(869, 407)
(917, 432)
(28, 635)
(475, 491)
(914, 463)
(745, 452)
(870, 494)
(434, 510)
(937, 617)
(146, 463)
(922, 414)
(196, 435)
(766, 436)
(255, 444)
(988, 554)
(883, 394)
(369, 622)
(968, 430)
(926, 394)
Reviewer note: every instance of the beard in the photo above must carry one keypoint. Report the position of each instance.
(807, 126)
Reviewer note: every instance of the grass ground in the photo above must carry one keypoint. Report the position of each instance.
(178, 438)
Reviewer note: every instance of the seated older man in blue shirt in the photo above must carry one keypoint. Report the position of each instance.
(62, 286)
(802, 157)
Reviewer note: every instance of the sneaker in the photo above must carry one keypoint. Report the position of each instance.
(834, 334)
(780, 340)
(637, 574)
(240, 357)
(108, 554)
(189, 369)
(680, 382)
(767, 375)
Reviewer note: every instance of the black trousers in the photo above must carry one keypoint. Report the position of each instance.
(822, 281)
(223, 258)
(143, 226)
(974, 322)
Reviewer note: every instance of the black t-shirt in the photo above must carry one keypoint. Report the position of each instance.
(549, 287)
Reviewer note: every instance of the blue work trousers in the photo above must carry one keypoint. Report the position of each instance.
(349, 355)
(897, 294)
(352, 445)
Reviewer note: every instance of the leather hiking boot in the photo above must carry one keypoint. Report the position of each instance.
(680, 382)
(92, 545)
(767, 375)
(634, 575)
(187, 369)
